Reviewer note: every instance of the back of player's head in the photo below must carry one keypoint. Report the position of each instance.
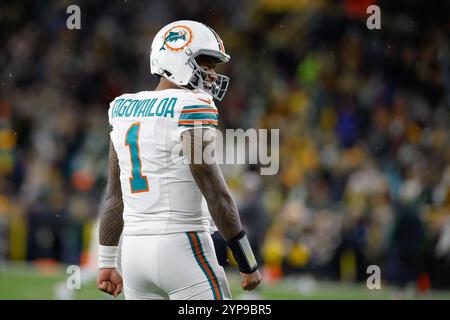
(175, 49)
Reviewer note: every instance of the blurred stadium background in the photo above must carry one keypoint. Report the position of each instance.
(365, 138)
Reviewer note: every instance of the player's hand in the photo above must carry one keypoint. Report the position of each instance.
(250, 281)
(110, 281)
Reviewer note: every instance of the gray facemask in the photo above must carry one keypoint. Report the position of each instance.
(216, 88)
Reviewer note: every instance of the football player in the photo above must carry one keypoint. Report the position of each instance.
(159, 174)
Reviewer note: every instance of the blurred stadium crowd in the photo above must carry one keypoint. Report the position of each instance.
(363, 115)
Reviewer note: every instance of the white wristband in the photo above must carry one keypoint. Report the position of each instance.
(107, 257)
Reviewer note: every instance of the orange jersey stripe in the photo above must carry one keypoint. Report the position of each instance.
(200, 110)
(197, 121)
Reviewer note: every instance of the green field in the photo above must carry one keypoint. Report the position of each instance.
(20, 281)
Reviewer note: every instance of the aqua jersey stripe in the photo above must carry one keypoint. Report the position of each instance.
(197, 258)
(198, 116)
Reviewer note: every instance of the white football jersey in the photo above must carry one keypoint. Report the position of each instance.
(159, 192)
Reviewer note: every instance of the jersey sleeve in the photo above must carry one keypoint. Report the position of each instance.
(198, 111)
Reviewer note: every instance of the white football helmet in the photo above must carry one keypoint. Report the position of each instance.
(173, 54)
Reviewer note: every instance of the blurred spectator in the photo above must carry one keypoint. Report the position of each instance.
(363, 117)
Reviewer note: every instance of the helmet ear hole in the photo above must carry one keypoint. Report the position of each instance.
(194, 80)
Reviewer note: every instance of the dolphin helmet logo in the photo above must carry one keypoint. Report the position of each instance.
(176, 38)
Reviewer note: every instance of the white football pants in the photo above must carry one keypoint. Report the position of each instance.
(174, 266)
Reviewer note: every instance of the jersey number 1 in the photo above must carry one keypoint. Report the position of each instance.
(138, 182)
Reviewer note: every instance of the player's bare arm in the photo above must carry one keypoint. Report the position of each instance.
(223, 209)
(111, 224)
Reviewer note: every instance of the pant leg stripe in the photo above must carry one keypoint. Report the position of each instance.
(204, 265)
(209, 266)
